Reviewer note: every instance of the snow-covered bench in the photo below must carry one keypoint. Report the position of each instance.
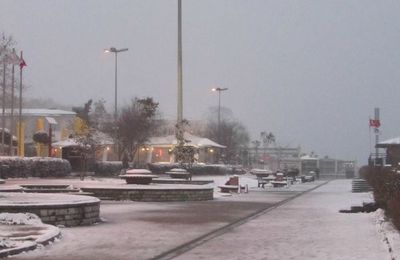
(228, 188)
(279, 183)
(265, 180)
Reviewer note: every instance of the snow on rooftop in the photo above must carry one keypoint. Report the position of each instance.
(41, 112)
(194, 140)
(392, 141)
(308, 157)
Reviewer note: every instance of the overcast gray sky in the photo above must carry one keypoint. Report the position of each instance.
(309, 71)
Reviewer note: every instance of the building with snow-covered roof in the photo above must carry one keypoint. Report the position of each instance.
(392, 154)
(35, 119)
(159, 149)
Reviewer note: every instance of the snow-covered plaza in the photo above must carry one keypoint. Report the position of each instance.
(299, 222)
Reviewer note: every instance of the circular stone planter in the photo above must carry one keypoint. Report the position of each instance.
(52, 208)
(10, 188)
(138, 171)
(178, 173)
(143, 179)
(156, 193)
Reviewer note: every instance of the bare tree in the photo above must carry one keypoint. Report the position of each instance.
(135, 124)
(256, 145)
(83, 112)
(7, 43)
(100, 118)
(234, 134)
(267, 138)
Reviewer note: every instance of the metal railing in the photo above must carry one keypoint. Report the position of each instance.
(378, 159)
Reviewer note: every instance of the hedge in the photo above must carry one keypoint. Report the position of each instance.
(17, 167)
(385, 182)
(107, 168)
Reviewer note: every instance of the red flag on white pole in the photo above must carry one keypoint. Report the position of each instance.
(374, 123)
(22, 63)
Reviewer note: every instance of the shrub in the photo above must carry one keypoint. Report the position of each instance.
(161, 168)
(107, 168)
(16, 167)
(385, 182)
(41, 137)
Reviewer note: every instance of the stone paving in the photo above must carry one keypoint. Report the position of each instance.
(142, 230)
(306, 227)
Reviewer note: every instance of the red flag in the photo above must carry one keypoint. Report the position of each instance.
(374, 123)
(22, 63)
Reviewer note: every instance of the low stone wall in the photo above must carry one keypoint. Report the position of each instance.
(84, 211)
(152, 194)
(68, 215)
(180, 181)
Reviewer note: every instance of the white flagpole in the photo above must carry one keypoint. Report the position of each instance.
(20, 110)
(180, 76)
(12, 108)
(3, 122)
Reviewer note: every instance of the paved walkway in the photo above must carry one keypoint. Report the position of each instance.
(308, 227)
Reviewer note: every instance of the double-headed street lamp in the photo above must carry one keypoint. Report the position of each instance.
(219, 110)
(115, 51)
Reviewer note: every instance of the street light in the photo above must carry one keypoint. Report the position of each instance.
(115, 51)
(219, 110)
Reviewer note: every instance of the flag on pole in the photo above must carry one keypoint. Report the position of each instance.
(10, 57)
(374, 123)
(22, 63)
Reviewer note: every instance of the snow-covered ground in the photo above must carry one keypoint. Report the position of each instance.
(308, 227)
(23, 231)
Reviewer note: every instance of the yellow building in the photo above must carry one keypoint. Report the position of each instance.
(35, 120)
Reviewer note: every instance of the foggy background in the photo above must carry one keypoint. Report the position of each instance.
(311, 72)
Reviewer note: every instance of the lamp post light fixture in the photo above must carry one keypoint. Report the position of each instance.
(116, 51)
(219, 110)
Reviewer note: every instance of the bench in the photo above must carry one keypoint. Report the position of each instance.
(229, 188)
(279, 183)
(264, 180)
(261, 182)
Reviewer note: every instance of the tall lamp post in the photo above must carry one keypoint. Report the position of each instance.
(219, 110)
(116, 51)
